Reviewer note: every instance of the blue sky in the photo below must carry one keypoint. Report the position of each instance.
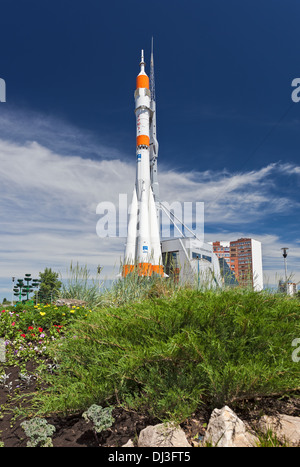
(227, 127)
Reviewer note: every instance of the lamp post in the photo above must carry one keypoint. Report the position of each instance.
(197, 258)
(23, 290)
(99, 269)
(12, 299)
(284, 254)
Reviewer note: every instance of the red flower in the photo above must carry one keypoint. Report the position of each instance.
(13, 323)
(40, 329)
(30, 327)
(23, 335)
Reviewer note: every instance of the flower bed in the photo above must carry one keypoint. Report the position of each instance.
(28, 329)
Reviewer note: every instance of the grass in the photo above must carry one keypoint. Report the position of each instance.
(269, 439)
(174, 351)
(79, 285)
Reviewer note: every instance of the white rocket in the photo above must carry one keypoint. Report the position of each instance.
(143, 249)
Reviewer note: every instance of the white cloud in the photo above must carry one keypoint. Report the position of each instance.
(49, 198)
(239, 197)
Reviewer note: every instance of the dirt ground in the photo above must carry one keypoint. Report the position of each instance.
(74, 431)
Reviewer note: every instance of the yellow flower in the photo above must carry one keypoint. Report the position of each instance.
(72, 311)
(42, 313)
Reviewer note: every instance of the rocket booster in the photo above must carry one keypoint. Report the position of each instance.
(143, 249)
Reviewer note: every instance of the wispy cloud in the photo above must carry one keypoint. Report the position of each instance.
(232, 197)
(49, 194)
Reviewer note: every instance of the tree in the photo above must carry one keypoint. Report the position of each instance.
(49, 286)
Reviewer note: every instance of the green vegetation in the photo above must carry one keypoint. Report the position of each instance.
(169, 354)
(152, 346)
(28, 330)
(49, 286)
(80, 286)
(39, 432)
(100, 417)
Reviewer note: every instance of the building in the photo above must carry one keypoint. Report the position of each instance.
(244, 258)
(222, 250)
(228, 276)
(190, 260)
(290, 288)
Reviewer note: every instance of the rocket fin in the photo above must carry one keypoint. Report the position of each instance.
(154, 236)
(132, 231)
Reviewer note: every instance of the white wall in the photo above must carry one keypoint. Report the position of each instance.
(257, 269)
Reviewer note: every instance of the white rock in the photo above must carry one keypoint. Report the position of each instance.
(129, 444)
(226, 429)
(285, 427)
(162, 435)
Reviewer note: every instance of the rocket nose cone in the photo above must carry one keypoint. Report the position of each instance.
(142, 58)
(142, 65)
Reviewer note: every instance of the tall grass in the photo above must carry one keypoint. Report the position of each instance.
(169, 355)
(79, 285)
(135, 288)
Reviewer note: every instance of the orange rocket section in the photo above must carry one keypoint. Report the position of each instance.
(142, 81)
(142, 140)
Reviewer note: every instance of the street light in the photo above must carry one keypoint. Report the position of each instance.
(99, 269)
(284, 254)
(198, 258)
(13, 281)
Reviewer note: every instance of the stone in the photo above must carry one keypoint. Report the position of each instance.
(162, 435)
(70, 302)
(285, 427)
(226, 429)
(129, 444)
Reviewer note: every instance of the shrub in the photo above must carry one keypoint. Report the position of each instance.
(101, 418)
(39, 432)
(167, 356)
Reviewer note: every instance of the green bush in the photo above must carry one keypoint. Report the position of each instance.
(167, 356)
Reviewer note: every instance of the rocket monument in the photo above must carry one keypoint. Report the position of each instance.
(143, 247)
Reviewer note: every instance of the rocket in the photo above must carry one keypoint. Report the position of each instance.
(143, 249)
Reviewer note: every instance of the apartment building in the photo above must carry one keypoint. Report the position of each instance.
(244, 258)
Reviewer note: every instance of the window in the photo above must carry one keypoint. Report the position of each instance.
(196, 255)
(208, 258)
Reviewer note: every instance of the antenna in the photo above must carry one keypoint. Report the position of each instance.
(152, 80)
